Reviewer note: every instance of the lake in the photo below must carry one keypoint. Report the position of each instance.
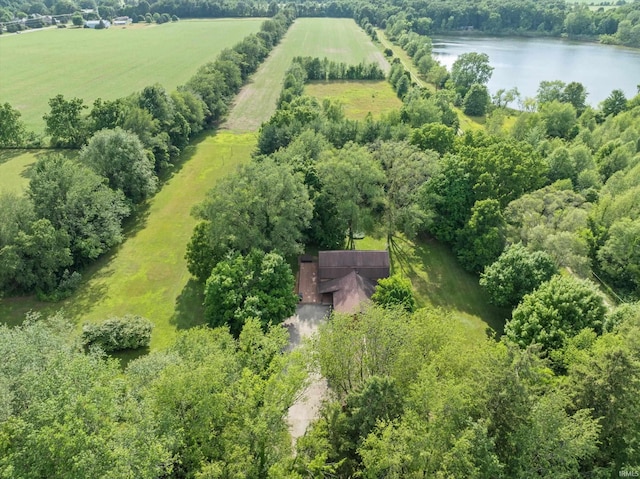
(525, 62)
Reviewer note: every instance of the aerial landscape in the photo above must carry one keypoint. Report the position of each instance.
(331, 239)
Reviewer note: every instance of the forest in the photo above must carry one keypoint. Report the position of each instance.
(541, 206)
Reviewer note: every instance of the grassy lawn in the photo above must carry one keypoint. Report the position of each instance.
(110, 63)
(358, 97)
(439, 280)
(338, 39)
(14, 169)
(147, 274)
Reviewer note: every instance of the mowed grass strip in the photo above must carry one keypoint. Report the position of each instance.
(359, 98)
(338, 39)
(440, 281)
(108, 64)
(147, 275)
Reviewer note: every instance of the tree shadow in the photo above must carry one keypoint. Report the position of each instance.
(189, 310)
(10, 154)
(450, 286)
(125, 356)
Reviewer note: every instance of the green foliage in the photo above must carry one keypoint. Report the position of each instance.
(482, 239)
(476, 101)
(263, 205)
(406, 169)
(619, 257)
(559, 119)
(470, 68)
(556, 311)
(257, 285)
(395, 291)
(115, 334)
(77, 202)
(12, 130)
(614, 104)
(435, 137)
(65, 123)
(120, 157)
(518, 271)
(354, 180)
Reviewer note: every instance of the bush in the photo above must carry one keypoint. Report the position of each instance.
(115, 334)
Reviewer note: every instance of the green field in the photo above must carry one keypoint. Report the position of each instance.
(109, 64)
(358, 97)
(147, 274)
(338, 39)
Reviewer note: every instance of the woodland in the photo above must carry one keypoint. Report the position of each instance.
(541, 205)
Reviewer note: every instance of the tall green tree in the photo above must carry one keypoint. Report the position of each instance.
(65, 123)
(476, 101)
(515, 273)
(263, 205)
(120, 157)
(257, 285)
(482, 239)
(558, 310)
(78, 202)
(355, 181)
(470, 68)
(12, 129)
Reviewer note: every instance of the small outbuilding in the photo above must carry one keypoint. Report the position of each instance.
(95, 23)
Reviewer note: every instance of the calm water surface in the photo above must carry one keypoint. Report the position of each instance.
(525, 62)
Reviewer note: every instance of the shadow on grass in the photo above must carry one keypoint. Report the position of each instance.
(10, 154)
(189, 311)
(127, 355)
(441, 281)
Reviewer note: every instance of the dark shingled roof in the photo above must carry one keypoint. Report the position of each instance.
(348, 292)
(369, 264)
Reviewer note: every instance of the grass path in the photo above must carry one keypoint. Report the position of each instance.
(147, 274)
(338, 39)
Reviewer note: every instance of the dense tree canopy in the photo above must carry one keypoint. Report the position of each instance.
(257, 285)
(120, 157)
(263, 205)
(556, 311)
(518, 271)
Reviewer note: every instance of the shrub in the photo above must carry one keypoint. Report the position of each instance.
(115, 334)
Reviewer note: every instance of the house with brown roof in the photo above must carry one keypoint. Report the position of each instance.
(345, 279)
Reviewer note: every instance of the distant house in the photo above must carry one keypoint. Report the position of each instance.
(95, 23)
(348, 278)
(122, 21)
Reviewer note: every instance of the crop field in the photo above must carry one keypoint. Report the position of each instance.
(338, 39)
(147, 275)
(358, 97)
(107, 64)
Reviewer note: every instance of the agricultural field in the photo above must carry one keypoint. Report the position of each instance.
(337, 39)
(358, 97)
(108, 64)
(147, 275)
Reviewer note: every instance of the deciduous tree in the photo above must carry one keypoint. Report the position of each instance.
(257, 285)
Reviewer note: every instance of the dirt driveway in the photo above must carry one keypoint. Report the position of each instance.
(304, 324)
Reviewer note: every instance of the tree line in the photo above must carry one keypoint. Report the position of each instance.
(74, 210)
(619, 25)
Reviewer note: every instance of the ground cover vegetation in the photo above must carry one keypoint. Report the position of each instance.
(411, 394)
(73, 210)
(108, 64)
